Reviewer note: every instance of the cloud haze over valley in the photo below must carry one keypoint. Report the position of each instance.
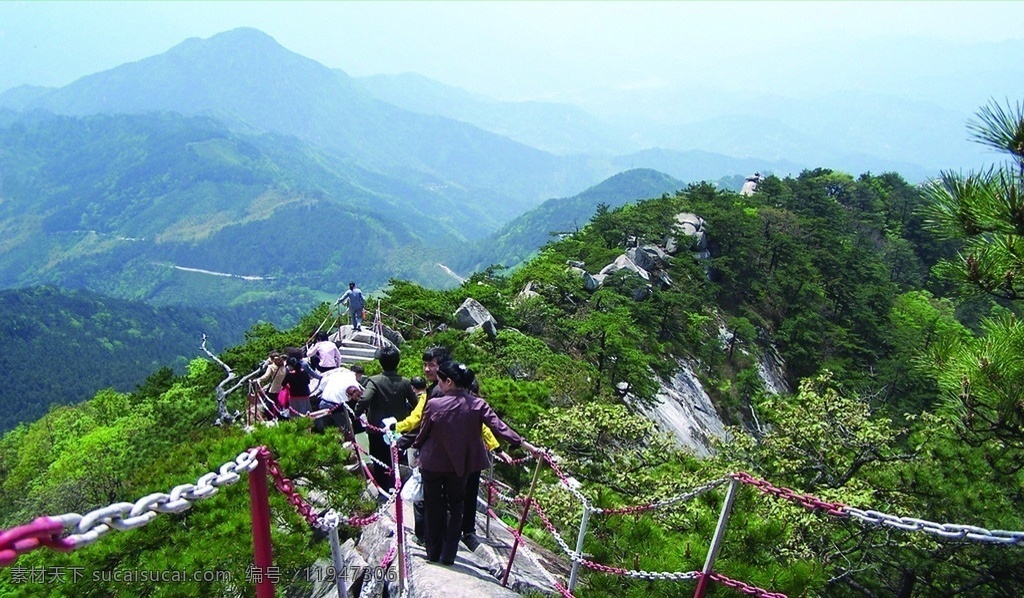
(853, 85)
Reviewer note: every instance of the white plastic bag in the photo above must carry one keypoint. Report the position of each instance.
(412, 489)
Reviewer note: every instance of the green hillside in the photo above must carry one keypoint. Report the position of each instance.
(525, 235)
(828, 267)
(60, 347)
(112, 203)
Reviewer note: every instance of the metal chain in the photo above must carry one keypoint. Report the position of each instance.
(370, 588)
(43, 531)
(636, 574)
(364, 521)
(551, 530)
(287, 487)
(742, 587)
(804, 500)
(949, 531)
(97, 523)
(662, 503)
(524, 547)
(566, 483)
(563, 591)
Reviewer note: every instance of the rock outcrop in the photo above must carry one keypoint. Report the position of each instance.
(772, 372)
(651, 262)
(472, 316)
(692, 227)
(750, 185)
(683, 409)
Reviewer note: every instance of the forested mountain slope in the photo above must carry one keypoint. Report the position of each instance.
(526, 234)
(115, 203)
(60, 347)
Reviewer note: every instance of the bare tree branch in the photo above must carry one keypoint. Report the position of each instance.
(223, 416)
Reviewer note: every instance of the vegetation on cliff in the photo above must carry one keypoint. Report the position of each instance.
(904, 400)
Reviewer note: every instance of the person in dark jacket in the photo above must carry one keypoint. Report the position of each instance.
(451, 448)
(297, 380)
(387, 395)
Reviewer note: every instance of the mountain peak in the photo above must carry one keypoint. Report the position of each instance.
(247, 36)
(244, 42)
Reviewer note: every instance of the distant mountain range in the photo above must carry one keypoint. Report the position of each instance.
(230, 171)
(561, 129)
(249, 81)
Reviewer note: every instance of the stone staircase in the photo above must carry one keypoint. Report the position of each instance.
(357, 345)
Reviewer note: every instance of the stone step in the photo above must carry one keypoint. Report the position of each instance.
(353, 352)
(350, 359)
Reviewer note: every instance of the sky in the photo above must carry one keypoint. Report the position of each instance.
(507, 50)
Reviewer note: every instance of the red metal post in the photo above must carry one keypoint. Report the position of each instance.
(259, 505)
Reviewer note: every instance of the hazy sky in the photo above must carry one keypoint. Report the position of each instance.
(509, 50)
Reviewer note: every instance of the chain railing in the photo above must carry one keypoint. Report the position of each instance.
(72, 531)
(122, 516)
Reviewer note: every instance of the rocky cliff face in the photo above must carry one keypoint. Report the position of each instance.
(772, 372)
(683, 409)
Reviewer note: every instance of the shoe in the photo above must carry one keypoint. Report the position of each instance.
(471, 541)
(447, 562)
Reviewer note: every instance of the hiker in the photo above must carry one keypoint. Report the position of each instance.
(450, 449)
(272, 379)
(419, 388)
(357, 425)
(336, 385)
(353, 298)
(325, 352)
(387, 395)
(473, 481)
(297, 380)
(432, 359)
(408, 428)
